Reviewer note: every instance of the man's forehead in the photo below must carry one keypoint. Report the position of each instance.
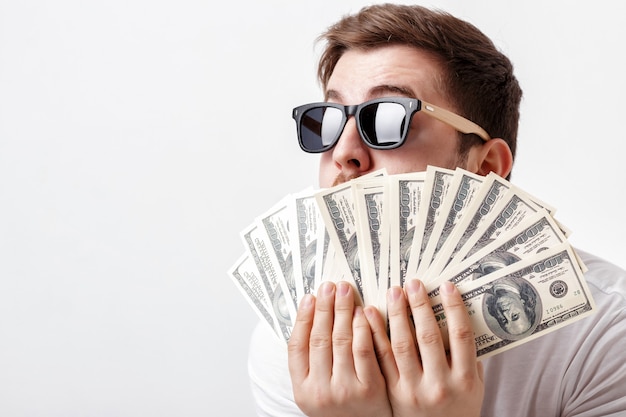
(400, 70)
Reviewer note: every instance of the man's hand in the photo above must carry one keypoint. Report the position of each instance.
(332, 362)
(421, 379)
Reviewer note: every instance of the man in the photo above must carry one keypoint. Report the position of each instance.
(340, 361)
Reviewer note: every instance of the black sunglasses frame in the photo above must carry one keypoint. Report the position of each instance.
(411, 106)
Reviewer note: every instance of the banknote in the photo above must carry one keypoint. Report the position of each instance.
(523, 301)
(463, 189)
(507, 214)
(334, 270)
(536, 234)
(483, 234)
(274, 226)
(336, 205)
(493, 189)
(305, 233)
(325, 254)
(247, 278)
(405, 197)
(337, 209)
(373, 231)
(258, 249)
(437, 186)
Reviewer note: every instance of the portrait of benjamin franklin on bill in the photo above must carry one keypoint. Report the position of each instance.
(512, 308)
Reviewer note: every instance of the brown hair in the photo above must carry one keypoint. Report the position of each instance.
(477, 78)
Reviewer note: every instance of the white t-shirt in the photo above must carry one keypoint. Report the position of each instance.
(578, 370)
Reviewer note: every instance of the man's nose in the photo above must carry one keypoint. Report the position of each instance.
(351, 153)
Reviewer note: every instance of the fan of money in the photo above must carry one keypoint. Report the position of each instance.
(502, 247)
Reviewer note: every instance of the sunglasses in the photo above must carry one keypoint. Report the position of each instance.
(383, 123)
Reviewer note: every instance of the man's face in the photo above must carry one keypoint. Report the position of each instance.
(388, 71)
(511, 314)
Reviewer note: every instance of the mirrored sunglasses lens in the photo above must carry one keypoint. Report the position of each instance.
(383, 124)
(320, 127)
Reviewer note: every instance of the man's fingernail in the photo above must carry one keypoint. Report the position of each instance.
(413, 286)
(447, 287)
(327, 288)
(343, 288)
(394, 294)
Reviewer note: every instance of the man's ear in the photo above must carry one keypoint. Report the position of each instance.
(493, 156)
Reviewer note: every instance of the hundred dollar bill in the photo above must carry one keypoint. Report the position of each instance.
(536, 234)
(333, 270)
(523, 301)
(508, 214)
(336, 205)
(337, 209)
(247, 278)
(493, 189)
(258, 248)
(463, 189)
(324, 253)
(405, 197)
(373, 231)
(307, 222)
(274, 225)
(436, 190)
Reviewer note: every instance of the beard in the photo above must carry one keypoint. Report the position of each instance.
(459, 159)
(342, 177)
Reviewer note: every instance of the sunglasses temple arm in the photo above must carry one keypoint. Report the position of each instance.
(459, 123)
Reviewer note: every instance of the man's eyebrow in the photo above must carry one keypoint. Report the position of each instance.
(396, 90)
(375, 92)
(332, 95)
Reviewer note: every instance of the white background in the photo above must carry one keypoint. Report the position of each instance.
(138, 138)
